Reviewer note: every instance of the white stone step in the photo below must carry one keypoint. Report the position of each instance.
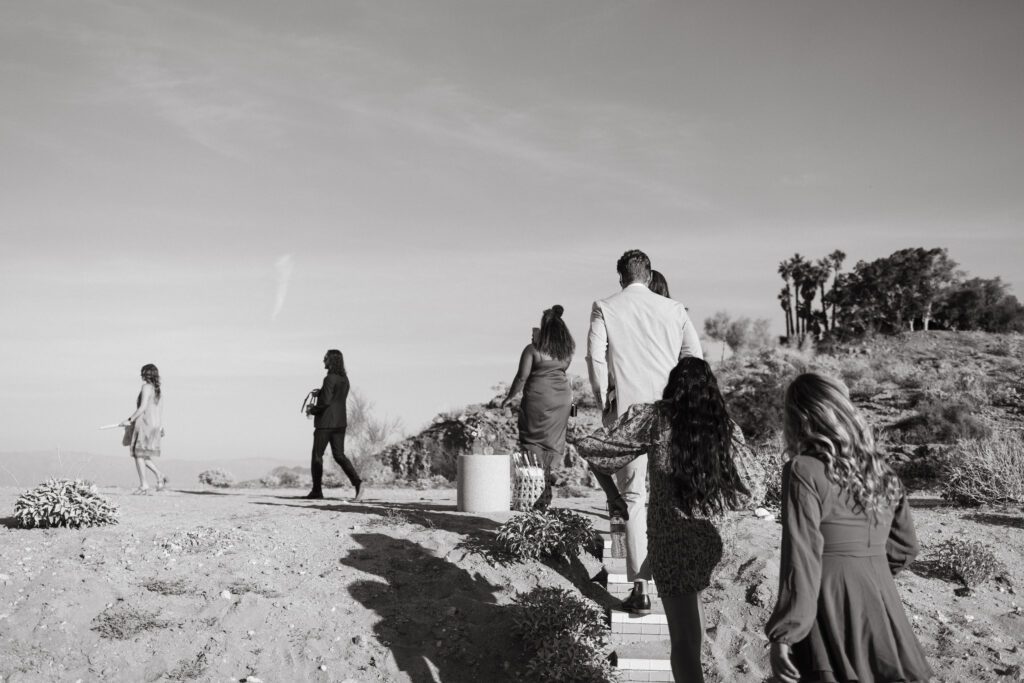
(644, 661)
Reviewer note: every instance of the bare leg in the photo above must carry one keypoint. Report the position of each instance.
(685, 615)
(143, 486)
(159, 475)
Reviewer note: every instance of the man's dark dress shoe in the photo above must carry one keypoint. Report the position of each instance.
(315, 495)
(637, 603)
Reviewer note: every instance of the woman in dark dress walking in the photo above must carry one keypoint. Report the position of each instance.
(846, 531)
(330, 420)
(547, 394)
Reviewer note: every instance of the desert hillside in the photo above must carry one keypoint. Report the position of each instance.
(263, 585)
(259, 584)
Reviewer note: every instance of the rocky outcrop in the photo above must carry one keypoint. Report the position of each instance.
(479, 428)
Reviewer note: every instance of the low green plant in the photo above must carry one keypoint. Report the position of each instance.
(556, 533)
(940, 420)
(970, 562)
(565, 636)
(768, 460)
(986, 471)
(217, 478)
(64, 503)
(122, 622)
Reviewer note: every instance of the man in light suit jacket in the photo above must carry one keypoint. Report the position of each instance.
(636, 338)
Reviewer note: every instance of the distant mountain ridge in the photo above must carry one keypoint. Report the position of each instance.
(26, 469)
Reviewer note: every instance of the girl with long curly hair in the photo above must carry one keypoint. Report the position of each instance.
(698, 468)
(846, 531)
(144, 429)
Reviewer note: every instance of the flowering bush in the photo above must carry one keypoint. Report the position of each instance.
(64, 503)
(969, 562)
(556, 533)
(217, 478)
(565, 636)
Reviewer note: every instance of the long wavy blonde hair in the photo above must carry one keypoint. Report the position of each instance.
(820, 420)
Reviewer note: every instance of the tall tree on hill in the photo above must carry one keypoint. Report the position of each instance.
(980, 304)
(786, 271)
(798, 271)
(786, 303)
(836, 259)
(823, 269)
(786, 295)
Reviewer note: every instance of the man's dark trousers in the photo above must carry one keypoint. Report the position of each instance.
(336, 437)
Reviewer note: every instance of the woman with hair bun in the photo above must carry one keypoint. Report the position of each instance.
(144, 429)
(846, 531)
(547, 394)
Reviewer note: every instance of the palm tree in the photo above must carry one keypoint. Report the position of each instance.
(785, 302)
(786, 271)
(798, 271)
(822, 269)
(836, 257)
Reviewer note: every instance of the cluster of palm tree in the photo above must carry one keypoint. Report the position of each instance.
(804, 280)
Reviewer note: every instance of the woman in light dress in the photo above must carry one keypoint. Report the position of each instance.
(144, 429)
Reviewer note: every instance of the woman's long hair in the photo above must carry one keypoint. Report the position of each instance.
(554, 338)
(704, 474)
(335, 363)
(821, 421)
(659, 285)
(150, 375)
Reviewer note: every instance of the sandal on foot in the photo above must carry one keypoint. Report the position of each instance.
(163, 484)
(141, 491)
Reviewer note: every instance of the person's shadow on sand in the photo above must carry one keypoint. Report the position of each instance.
(440, 622)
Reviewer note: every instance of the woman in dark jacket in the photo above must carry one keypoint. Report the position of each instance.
(330, 421)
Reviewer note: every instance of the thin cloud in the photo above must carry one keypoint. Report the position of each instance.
(284, 267)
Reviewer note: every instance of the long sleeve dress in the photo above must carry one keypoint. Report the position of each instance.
(683, 550)
(838, 606)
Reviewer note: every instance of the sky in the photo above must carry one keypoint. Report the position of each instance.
(229, 189)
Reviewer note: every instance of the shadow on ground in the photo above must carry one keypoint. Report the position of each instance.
(440, 623)
(1007, 520)
(479, 537)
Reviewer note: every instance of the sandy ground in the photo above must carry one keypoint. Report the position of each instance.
(223, 585)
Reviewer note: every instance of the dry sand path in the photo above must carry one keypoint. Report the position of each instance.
(223, 585)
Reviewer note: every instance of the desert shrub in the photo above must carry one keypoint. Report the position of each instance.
(565, 637)
(217, 478)
(122, 622)
(1006, 396)
(902, 373)
(940, 420)
(969, 562)
(167, 586)
(555, 533)
(64, 503)
(754, 386)
(768, 460)
(986, 471)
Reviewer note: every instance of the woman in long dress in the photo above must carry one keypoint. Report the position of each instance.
(547, 393)
(145, 429)
(846, 531)
(697, 471)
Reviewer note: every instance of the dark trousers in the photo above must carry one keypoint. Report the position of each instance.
(335, 437)
(616, 504)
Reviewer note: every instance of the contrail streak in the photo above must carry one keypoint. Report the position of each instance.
(284, 267)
